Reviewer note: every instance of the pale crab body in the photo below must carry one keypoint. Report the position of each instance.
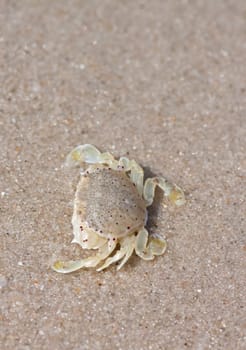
(110, 210)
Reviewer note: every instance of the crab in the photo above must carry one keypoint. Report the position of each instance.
(110, 210)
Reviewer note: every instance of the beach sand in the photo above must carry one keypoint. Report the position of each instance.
(162, 82)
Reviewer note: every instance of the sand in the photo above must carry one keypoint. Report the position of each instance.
(164, 83)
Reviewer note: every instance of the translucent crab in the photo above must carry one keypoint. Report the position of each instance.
(110, 210)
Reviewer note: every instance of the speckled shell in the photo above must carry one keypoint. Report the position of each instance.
(108, 202)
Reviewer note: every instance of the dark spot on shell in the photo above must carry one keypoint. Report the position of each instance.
(113, 239)
(128, 227)
(117, 223)
(85, 240)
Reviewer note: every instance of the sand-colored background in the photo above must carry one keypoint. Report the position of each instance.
(165, 82)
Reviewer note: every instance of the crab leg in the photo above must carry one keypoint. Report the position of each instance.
(129, 252)
(174, 193)
(141, 245)
(125, 252)
(92, 261)
(157, 245)
(87, 154)
(136, 172)
(118, 255)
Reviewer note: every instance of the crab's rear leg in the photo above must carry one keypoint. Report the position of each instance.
(92, 261)
(127, 245)
(174, 193)
(147, 246)
(87, 154)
